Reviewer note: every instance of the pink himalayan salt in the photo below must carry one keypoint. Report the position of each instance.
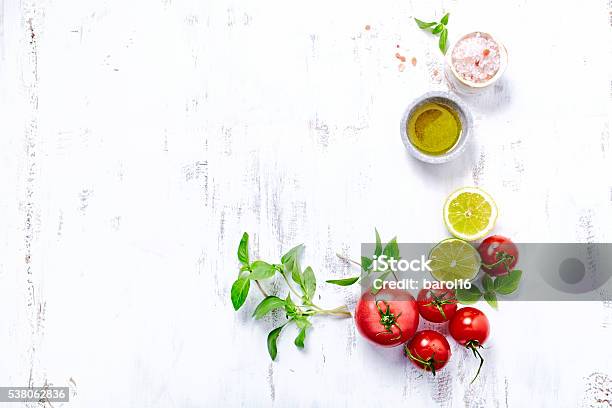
(476, 58)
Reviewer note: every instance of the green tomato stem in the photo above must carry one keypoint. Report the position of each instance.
(474, 346)
(504, 258)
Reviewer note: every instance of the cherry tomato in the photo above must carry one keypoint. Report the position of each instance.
(470, 328)
(437, 305)
(428, 350)
(388, 318)
(499, 255)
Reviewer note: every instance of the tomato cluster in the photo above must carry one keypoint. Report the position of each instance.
(390, 317)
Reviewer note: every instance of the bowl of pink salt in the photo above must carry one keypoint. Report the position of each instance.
(475, 61)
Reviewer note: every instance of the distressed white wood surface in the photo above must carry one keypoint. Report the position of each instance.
(139, 139)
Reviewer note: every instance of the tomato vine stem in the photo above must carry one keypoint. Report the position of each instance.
(388, 320)
(439, 301)
(502, 258)
(474, 345)
(428, 364)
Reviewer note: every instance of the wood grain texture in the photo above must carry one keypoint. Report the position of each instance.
(139, 139)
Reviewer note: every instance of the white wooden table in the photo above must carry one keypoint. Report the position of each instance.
(139, 139)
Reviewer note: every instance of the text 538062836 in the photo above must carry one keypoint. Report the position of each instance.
(34, 394)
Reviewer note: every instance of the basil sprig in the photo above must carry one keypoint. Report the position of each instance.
(436, 28)
(298, 313)
(491, 287)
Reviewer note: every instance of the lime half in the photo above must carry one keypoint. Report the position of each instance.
(454, 259)
(470, 213)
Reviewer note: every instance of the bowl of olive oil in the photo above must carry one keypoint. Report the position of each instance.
(436, 127)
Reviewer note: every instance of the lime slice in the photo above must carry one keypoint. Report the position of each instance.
(454, 259)
(470, 213)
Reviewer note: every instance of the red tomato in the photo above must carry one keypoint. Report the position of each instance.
(499, 255)
(388, 318)
(470, 328)
(428, 350)
(437, 305)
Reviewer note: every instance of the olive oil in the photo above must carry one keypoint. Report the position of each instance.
(434, 128)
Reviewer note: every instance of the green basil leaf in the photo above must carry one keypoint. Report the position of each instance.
(487, 283)
(243, 250)
(392, 250)
(296, 274)
(437, 29)
(310, 283)
(378, 248)
(272, 337)
(302, 322)
(292, 257)
(240, 291)
(507, 284)
(366, 263)
(423, 25)
(267, 305)
(445, 19)
(468, 296)
(261, 270)
(291, 262)
(343, 282)
(491, 299)
(442, 42)
(290, 307)
(299, 340)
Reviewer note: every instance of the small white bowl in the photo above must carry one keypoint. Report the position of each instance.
(464, 116)
(468, 87)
